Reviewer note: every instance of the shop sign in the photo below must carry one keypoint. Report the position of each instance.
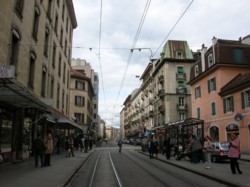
(7, 71)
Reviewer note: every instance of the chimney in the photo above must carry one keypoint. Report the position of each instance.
(203, 52)
(246, 40)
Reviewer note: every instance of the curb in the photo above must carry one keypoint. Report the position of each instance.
(221, 180)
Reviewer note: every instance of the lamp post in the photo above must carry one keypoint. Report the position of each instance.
(139, 49)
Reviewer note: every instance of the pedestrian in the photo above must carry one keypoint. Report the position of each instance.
(196, 148)
(234, 153)
(151, 148)
(120, 145)
(71, 143)
(90, 143)
(156, 147)
(167, 147)
(49, 150)
(67, 147)
(207, 149)
(58, 144)
(38, 148)
(86, 145)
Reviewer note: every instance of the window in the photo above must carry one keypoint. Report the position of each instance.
(63, 10)
(228, 104)
(43, 82)
(238, 55)
(49, 9)
(54, 56)
(245, 99)
(182, 116)
(19, 7)
(56, 25)
(196, 70)
(80, 85)
(46, 43)
(180, 69)
(210, 60)
(180, 84)
(79, 117)
(61, 37)
(64, 72)
(58, 96)
(36, 22)
(181, 101)
(211, 84)
(52, 88)
(79, 101)
(63, 94)
(59, 65)
(198, 113)
(179, 55)
(14, 48)
(213, 107)
(32, 70)
(197, 92)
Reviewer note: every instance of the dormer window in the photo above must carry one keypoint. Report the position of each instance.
(196, 70)
(210, 60)
(179, 54)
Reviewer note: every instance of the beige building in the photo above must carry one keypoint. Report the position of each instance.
(82, 65)
(163, 96)
(35, 43)
(81, 100)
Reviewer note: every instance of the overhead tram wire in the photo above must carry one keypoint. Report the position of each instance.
(133, 45)
(99, 56)
(173, 27)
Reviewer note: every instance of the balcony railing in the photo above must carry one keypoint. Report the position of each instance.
(181, 76)
(182, 107)
(181, 90)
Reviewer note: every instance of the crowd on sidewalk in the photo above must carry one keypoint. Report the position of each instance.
(42, 149)
(196, 150)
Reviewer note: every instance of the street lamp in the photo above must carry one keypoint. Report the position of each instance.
(139, 49)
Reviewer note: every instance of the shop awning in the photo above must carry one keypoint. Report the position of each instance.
(14, 94)
(64, 122)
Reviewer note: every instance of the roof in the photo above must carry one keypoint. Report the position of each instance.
(239, 82)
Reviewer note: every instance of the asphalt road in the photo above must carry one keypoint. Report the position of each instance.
(107, 167)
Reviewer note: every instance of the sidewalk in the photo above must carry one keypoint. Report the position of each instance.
(219, 171)
(24, 174)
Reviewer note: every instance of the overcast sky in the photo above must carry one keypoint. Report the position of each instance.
(109, 52)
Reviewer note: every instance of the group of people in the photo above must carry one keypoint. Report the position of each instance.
(43, 150)
(197, 151)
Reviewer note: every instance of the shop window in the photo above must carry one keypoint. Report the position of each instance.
(6, 119)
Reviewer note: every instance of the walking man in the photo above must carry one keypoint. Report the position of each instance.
(120, 145)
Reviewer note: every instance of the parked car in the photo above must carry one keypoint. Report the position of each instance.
(220, 151)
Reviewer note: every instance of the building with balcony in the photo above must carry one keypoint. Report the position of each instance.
(220, 89)
(170, 75)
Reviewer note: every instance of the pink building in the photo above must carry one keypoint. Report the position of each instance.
(220, 83)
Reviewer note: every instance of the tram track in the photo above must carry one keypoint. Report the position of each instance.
(142, 164)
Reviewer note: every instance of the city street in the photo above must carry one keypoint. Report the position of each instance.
(108, 167)
(105, 166)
